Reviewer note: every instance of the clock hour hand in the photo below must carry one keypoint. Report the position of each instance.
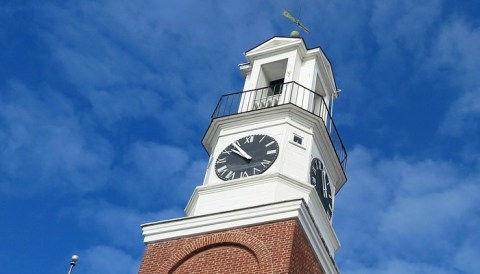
(241, 152)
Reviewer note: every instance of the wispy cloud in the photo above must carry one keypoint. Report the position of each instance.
(466, 258)
(403, 25)
(398, 266)
(108, 260)
(119, 225)
(408, 213)
(159, 172)
(456, 57)
(46, 144)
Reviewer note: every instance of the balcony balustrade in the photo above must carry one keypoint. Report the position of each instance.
(282, 94)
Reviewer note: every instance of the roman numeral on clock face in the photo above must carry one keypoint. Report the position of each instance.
(269, 144)
(226, 151)
(230, 175)
(222, 170)
(265, 163)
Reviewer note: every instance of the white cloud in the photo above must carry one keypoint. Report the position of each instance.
(466, 258)
(121, 225)
(397, 267)
(464, 114)
(403, 24)
(455, 56)
(45, 144)
(121, 104)
(420, 177)
(455, 50)
(50, 143)
(129, 66)
(405, 216)
(164, 173)
(381, 46)
(425, 224)
(106, 260)
(157, 161)
(116, 43)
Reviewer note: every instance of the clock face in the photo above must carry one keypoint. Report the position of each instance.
(248, 156)
(319, 178)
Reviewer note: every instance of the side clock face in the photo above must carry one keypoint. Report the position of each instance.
(248, 156)
(319, 178)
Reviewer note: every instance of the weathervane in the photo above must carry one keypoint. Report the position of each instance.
(297, 22)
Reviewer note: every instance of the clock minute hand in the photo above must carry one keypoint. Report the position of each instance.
(238, 153)
(241, 152)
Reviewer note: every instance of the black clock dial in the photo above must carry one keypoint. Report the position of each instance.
(319, 178)
(248, 156)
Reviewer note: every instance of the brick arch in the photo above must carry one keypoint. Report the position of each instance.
(239, 239)
(219, 258)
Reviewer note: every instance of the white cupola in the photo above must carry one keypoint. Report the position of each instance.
(275, 141)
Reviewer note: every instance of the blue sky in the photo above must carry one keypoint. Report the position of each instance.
(103, 105)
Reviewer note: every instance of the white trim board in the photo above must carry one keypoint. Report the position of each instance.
(189, 226)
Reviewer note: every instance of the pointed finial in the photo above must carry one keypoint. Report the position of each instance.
(295, 34)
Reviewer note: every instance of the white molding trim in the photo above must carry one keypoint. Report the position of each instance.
(317, 241)
(275, 46)
(189, 226)
(245, 182)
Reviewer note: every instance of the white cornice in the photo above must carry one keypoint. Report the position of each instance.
(276, 46)
(219, 221)
(190, 226)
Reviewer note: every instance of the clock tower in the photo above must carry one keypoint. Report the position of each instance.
(276, 163)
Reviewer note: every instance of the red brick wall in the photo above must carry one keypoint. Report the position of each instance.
(302, 258)
(277, 247)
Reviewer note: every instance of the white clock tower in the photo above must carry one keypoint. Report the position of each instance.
(276, 164)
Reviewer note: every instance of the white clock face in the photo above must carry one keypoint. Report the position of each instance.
(247, 156)
(319, 178)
